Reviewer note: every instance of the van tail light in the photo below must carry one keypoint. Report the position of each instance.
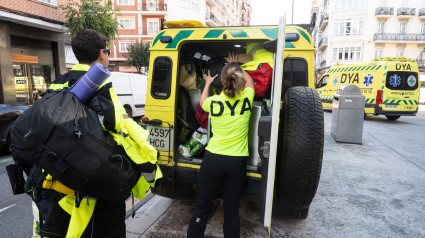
(145, 121)
(153, 122)
(379, 97)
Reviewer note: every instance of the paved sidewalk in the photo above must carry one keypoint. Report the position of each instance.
(371, 190)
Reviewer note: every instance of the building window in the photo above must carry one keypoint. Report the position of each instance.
(125, 2)
(153, 26)
(378, 54)
(346, 53)
(48, 2)
(423, 28)
(125, 44)
(336, 25)
(402, 29)
(193, 4)
(348, 27)
(381, 27)
(335, 54)
(358, 52)
(350, 4)
(126, 23)
(152, 5)
(340, 53)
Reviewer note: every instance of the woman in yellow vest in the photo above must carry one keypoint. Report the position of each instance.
(225, 157)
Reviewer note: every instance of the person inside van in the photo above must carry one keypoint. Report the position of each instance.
(225, 158)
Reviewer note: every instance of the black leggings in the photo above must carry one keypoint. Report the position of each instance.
(215, 171)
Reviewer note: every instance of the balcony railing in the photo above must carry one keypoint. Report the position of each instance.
(323, 41)
(324, 18)
(211, 17)
(398, 37)
(404, 11)
(384, 11)
(153, 7)
(421, 12)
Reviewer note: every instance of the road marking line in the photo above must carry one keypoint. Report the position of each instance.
(4, 209)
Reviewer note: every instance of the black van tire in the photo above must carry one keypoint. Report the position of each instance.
(301, 139)
(392, 118)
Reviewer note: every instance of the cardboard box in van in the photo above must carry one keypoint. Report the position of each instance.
(131, 91)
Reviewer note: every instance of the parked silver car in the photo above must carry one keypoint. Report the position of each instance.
(8, 115)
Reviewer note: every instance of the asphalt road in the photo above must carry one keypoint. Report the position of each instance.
(15, 210)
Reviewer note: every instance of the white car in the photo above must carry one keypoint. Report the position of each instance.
(131, 91)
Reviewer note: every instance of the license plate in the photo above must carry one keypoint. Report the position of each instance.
(390, 106)
(160, 137)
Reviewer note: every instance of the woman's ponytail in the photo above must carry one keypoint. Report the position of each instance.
(232, 79)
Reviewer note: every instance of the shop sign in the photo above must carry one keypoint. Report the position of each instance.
(25, 58)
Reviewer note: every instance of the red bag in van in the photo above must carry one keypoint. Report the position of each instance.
(201, 116)
(262, 78)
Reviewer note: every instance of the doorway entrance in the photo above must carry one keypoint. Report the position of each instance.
(31, 80)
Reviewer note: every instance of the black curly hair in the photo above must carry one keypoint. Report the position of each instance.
(86, 45)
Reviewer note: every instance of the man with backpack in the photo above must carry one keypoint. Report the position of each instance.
(108, 219)
(63, 213)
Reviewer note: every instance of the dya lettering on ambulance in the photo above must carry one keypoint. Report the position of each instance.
(246, 106)
(399, 66)
(352, 78)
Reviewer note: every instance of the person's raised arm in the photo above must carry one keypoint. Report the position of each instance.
(208, 81)
(249, 81)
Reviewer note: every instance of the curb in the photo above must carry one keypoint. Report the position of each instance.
(137, 205)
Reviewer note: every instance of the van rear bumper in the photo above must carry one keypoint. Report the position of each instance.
(190, 176)
(379, 110)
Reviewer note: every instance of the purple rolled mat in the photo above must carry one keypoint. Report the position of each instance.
(87, 85)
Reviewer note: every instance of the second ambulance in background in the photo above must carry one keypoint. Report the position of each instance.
(390, 85)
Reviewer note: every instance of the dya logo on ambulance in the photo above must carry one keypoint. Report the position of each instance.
(245, 107)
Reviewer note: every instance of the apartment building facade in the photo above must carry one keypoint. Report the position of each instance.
(350, 31)
(228, 13)
(32, 52)
(140, 20)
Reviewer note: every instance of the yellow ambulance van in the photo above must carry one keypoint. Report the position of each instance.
(286, 127)
(390, 85)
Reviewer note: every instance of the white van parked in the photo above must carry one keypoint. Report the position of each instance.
(131, 91)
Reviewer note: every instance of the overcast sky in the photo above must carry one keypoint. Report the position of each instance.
(267, 12)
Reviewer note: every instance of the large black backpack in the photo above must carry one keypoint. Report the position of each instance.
(65, 138)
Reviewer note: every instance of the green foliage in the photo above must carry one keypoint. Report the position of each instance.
(138, 55)
(91, 14)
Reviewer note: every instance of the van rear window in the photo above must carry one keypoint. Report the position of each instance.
(398, 80)
(161, 78)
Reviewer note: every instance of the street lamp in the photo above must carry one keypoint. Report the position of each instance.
(292, 12)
